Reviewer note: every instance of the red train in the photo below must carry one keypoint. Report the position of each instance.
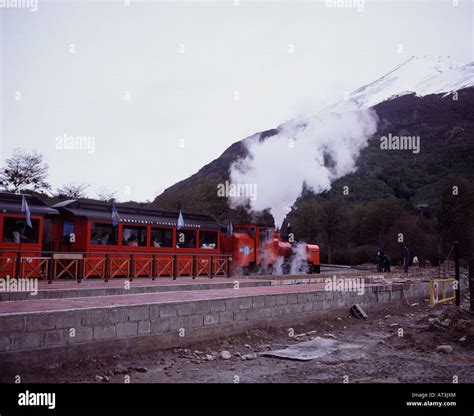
(78, 239)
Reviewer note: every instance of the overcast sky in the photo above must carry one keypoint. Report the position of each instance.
(165, 87)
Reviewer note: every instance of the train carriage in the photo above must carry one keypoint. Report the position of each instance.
(145, 242)
(79, 239)
(21, 246)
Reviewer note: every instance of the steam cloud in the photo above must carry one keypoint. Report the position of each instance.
(299, 261)
(313, 151)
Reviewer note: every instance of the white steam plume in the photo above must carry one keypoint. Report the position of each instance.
(299, 261)
(315, 150)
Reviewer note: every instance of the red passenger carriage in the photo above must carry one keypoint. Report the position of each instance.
(21, 246)
(145, 242)
(79, 239)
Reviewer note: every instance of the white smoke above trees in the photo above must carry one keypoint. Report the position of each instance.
(313, 151)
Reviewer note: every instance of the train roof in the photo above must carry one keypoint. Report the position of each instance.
(133, 215)
(10, 203)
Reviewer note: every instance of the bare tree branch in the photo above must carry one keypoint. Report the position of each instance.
(24, 171)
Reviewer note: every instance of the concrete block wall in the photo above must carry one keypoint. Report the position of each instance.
(68, 335)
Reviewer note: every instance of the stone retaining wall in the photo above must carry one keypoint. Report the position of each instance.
(32, 338)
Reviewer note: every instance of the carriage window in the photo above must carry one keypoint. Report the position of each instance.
(208, 239)
(103, 234)
(134, 236)
(15, 230)
(68, 231)
(186, 238)
(162, 237)
(266, 235)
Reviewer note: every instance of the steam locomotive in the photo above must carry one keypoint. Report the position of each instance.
(80, 239)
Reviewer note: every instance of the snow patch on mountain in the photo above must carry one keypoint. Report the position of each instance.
(418, 75)
(454, 80)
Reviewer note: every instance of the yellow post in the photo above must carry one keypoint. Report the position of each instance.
(444, 297)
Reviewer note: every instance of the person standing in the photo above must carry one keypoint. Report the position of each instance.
(406, 258)
(386, 264)
(379, 259)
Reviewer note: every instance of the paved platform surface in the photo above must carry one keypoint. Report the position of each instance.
(97, 287)
(45, 305)
(119, 282)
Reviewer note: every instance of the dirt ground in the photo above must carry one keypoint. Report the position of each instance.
(386, 357)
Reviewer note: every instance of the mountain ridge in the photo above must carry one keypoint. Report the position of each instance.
(438, 76)
(418, 75)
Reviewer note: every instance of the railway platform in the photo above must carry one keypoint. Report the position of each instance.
(60, 329)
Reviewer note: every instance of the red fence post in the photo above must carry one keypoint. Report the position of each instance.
(211, 273)
(132, 267)
(80, 270)
(51, 269)
(153, 267)
(107, 268)
(18, 265)
(175, 267)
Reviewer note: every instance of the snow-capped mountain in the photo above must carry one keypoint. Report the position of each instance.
(410, 95)
(419, 75)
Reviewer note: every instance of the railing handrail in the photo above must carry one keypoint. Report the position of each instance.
(52, 267)
(115, 252)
